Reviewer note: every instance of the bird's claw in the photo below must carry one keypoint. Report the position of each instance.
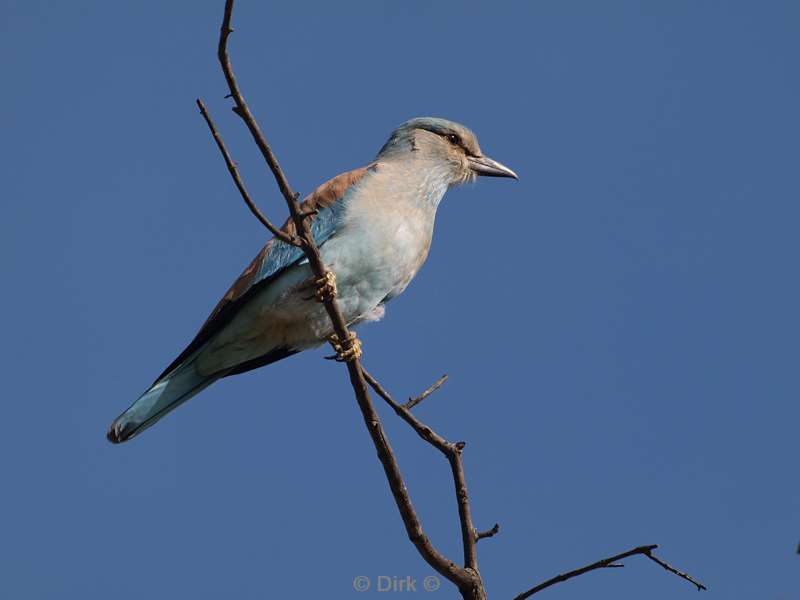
(326, 287)
(349, 350)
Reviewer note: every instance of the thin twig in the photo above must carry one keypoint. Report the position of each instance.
(412, 402)
(452, 452)
(425, 432)
(606, 563)
(671, 569)
(243, 111)
(479, 535)
(237, 179)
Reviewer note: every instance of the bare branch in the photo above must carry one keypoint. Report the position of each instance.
(243, 111)
(425, 432)
(412, 402)
(237, 179)
(607, 563)
(452, 451)
(468, 582)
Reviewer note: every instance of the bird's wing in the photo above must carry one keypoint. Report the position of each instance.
(276, 256)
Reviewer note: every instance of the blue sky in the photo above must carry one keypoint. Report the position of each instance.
(620, 327)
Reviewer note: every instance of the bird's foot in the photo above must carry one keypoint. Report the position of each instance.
(346, 351)
(326, 287)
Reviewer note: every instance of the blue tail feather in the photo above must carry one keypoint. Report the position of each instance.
(163, 396)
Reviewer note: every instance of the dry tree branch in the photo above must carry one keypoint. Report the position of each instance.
(237, 179)
(452, 451)
(468, 582)
(466, 578)
(243, 111)
(606, 563)
(471, 536)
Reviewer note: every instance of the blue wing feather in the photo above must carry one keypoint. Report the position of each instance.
(282, 255)
(329, 200)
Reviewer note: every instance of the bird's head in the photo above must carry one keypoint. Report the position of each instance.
(444, 144)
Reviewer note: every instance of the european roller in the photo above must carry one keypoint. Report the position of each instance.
(373, 227)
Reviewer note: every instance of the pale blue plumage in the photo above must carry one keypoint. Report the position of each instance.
(373, 227)
(163, 396)
(283, 255)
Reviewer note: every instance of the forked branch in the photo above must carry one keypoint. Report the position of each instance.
(467, 581)
(467, 577)
(237, 180)
(453, 452)
(605, 563)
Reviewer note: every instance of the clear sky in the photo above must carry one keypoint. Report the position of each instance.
(620, 327)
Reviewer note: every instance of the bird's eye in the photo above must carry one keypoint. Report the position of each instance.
(454, 139)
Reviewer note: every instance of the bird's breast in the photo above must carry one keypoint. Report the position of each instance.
(381, 246)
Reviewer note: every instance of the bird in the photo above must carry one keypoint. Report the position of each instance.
(373, 227)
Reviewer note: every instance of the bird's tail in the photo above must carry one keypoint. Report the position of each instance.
(166, 394)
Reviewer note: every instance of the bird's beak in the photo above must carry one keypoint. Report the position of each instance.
(483, 165)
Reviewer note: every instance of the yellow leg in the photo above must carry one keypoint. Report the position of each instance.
(347, 351)
(326, 287)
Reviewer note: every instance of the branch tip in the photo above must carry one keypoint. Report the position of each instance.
(479, 535)
(611, 562)
(674, 571)
(412, 402)
(237, 179)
